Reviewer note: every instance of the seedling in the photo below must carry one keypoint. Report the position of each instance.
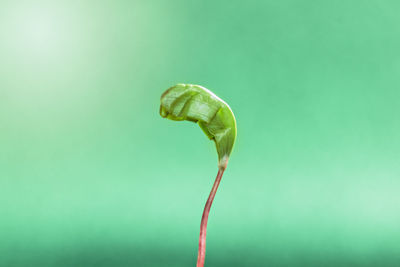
(197, 104)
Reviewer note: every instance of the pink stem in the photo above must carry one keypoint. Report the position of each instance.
(204, 219)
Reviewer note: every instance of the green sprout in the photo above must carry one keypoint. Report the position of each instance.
(197, 104)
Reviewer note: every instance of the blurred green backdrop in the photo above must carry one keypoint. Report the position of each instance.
(90, 175)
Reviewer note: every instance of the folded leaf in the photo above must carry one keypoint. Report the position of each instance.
(197, 104)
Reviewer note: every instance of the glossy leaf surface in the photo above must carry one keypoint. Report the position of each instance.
(198, 104)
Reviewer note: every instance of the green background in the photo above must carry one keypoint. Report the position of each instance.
(91, 175)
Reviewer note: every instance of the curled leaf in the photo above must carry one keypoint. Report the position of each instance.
(197, 104)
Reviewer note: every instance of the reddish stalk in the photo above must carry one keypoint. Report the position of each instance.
(203, 226)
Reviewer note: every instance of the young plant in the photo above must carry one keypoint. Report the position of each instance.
(197, 104)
